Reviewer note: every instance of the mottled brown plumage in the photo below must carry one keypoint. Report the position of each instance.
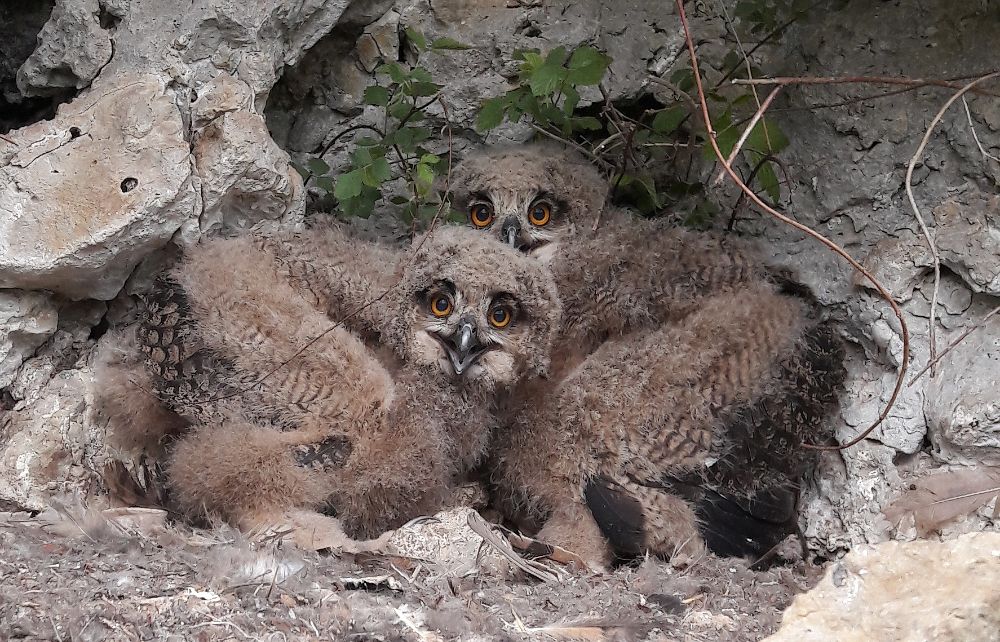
(686, 377)
(373, 421)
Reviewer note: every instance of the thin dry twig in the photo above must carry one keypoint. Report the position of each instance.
(8, 140)
(916, 210)
(802, 228)
(849, 80)
(951, 346)
(975, 136)
(746, 133)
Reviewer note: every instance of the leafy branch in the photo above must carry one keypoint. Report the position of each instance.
(394, 149)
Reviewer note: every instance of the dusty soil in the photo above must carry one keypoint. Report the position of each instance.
(73, 575)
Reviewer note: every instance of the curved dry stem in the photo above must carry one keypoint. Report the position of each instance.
(932, 329)
(802, 228)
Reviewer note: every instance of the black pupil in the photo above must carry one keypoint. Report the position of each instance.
(499, 315)
(539, 213)
(441, 304)
(482, 213)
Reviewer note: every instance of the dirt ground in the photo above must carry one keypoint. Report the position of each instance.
(74, 575)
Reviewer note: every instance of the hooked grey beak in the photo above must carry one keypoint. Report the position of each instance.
(510, 230)
(463, 347)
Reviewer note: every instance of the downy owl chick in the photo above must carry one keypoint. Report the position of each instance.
(627, 274)
(372, 421)
(639, 441)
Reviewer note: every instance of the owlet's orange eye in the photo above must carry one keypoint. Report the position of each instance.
(500, 317)
(481, 214)
(441, 305)
(540, 213)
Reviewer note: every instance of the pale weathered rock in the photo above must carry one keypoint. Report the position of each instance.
(72, 49)
(49, 447)
(245, 176)
(963, 405)
(920, 591)
(27, 319)
(85, 197)
(968, 238)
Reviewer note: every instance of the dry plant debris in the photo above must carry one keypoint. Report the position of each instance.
(91, 575)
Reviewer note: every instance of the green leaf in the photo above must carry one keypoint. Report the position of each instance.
(422, 88)
(362, 156)
(348, 185)
(376, 95)
(401, 109)
(416, 38)
(532, 61)
(556, 57)
(448, 43)
(642, 190)
(399, 200)
(550, 75)
(430, 159)
(571, 100)
(767, 179)
(381, 170)
(491, 113)
(420, 74)
(408, 137)
(726, 135)
(545, 79)
(427, 212)
(393, 70)
(587, 66)
(317, 166)
(367, 141)
(683, 78)
(361, 205)
(667, 121)
(454, 216)
(766, 138)
(302, 170)
(325, 183)
(588, 123)
(424, 178)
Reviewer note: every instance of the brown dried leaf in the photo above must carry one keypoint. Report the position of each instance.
(937, 499)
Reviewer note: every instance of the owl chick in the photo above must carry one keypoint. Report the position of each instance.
(628, 275)
(373, 420)
(678, 409)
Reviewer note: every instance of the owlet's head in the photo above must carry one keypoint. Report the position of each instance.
(474, 308)
(528, 196)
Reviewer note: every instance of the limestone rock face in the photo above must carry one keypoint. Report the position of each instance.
(49, 447)
(27, 319)
(920, 591)
(963, 407)
(73, 47)
(85, 197)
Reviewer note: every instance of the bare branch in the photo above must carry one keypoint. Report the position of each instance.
(746, 133)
